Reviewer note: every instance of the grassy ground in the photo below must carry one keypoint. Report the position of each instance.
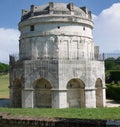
(100, 113)
(4, 83)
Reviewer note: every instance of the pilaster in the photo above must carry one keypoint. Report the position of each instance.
(27, 98)
(59, 98)
(90, 98)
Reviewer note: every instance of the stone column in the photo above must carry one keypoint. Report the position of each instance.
(90, 98)
(27, 98)
(11, 96)
(104, 96)
(59, 98)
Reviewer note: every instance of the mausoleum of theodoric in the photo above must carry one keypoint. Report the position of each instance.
(58, 65)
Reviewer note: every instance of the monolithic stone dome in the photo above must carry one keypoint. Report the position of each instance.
(56, 8)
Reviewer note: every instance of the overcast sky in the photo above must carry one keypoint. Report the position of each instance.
(106, 17)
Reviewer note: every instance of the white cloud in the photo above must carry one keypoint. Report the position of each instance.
(8, 43)
(107, 29)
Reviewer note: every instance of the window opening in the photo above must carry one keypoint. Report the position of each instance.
(58, 27)
(32, 28)
(83, 28)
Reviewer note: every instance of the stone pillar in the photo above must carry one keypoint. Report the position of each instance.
(90, 98)
(27, 98)
(11, 97)
(104, 96)
(63, 99)
(59, 98)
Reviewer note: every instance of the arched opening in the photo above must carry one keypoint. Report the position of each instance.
(99, 93)
(42, 94)
(75, 93)
(17, 93)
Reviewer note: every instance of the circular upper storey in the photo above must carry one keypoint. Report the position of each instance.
(57, 19)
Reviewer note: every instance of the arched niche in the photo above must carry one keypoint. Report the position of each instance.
(76, 93)
(42, 93)
(99, 93)
(17, 93)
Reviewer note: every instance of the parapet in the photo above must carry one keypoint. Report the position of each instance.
(56, 8)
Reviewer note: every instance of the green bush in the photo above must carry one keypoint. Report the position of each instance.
(113, 91)
(113, 76)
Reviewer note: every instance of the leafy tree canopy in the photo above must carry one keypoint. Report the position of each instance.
(112, 64)
(4, 68)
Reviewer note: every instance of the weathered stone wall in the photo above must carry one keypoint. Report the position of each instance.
(72, 47)
(60, 50)
(58, 73)
(7, 120)
(13, 121)
(16, 82)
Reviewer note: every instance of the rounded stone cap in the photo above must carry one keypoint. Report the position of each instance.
(56, 9)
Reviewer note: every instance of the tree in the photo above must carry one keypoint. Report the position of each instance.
(110, 63)
(4, 68)
(118, 61)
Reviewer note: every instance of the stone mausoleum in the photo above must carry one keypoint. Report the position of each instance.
(58, 65)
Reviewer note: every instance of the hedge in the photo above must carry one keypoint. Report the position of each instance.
(113, 76)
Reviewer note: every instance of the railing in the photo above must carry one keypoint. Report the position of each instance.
(109, 56)
(13, 58)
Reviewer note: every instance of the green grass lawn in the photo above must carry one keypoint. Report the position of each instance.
(4, 83)
(94, 113)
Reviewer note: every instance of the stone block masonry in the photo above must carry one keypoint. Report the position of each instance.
(58, 65)
(7, 120)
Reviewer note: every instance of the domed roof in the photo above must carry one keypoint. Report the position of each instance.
(55, 8)
(59, 7)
